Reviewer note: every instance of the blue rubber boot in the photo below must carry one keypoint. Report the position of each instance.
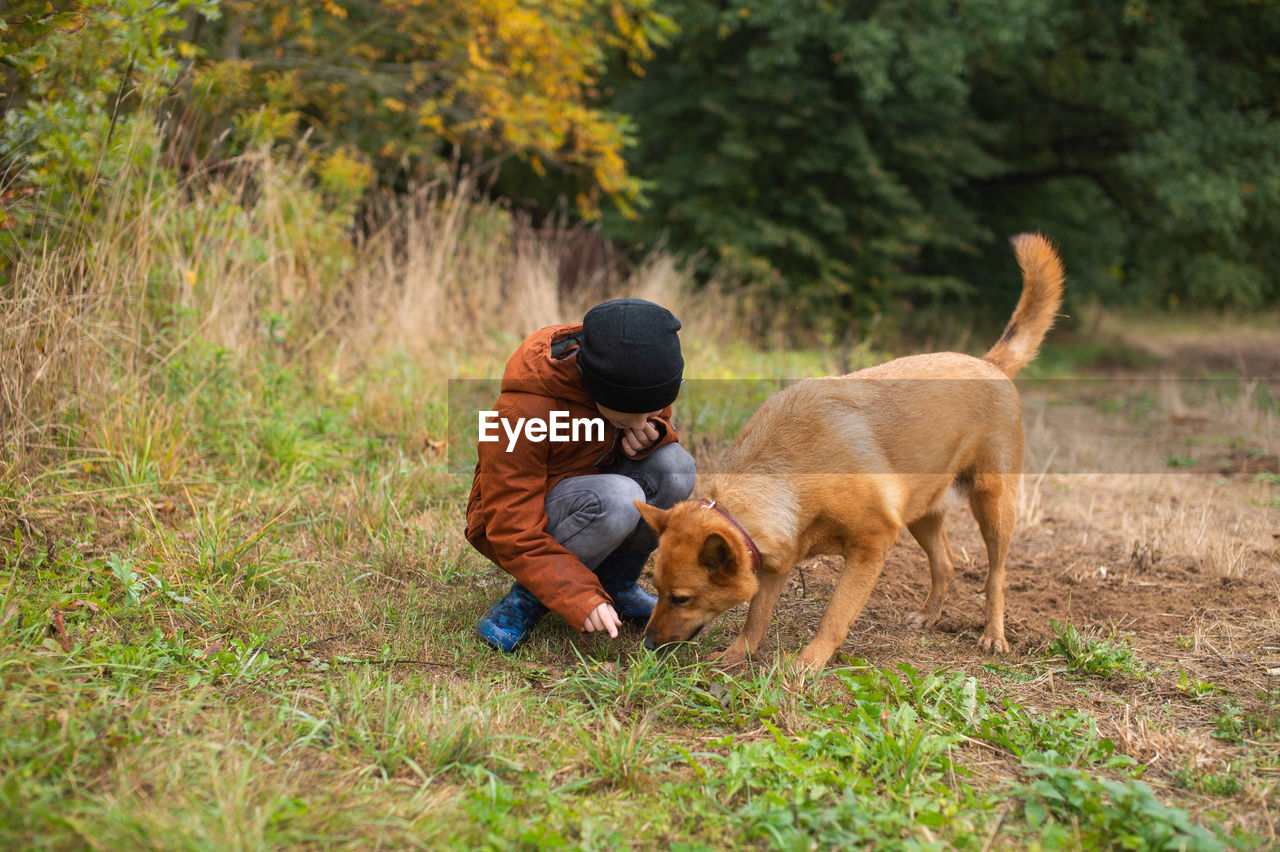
(507, 623)
(618, 573)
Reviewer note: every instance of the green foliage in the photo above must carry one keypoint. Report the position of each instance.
(76, 122)
(122, 570)
(876, 155)
(1072, 734)
(1091, 654)
(1236, 725)
(26, 24)
(1180, 144)
(873, 767)
(1194, 687)
(812, 148)
(843, 160)
(1194, 778)
(1071, 808)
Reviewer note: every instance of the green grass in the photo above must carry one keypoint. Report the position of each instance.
(275, 649)
(201, 739)
(1068, 359)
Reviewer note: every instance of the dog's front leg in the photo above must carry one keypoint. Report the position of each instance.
(759, 614)
(861, 570)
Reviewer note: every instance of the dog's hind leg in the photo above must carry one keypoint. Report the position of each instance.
(930, 531)
(758, 616)
(994, 501)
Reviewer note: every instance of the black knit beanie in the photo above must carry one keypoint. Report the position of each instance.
(629, 357)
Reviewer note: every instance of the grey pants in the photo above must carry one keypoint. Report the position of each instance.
(594, 515)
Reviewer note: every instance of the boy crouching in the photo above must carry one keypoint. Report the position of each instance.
(552, 503)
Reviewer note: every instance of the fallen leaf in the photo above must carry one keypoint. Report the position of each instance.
(69, 606)
(61, 630)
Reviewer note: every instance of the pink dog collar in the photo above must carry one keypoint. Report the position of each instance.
(756, 561)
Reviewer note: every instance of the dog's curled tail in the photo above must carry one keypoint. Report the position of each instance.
(1042, 278)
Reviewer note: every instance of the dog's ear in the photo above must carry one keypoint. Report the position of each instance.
(653, 516)
(716, 556)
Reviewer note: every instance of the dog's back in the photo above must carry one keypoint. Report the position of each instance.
(922, 415)
(826, 420)
(912, 426)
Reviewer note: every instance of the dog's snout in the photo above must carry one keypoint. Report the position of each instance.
(652, 643)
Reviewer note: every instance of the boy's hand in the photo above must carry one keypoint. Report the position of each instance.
(603, 617)
(635, 440)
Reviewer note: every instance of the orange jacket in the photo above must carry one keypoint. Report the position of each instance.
(506, 514)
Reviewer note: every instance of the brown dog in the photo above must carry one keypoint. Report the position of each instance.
(839, 465)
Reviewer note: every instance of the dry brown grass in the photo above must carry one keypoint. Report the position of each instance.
(1171, 468)
(253, 264)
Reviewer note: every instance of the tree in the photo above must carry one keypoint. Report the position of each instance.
(857, 157)
(75, 76)
(26, 25)
(401, 84)
(1146, 137)
(403, 80)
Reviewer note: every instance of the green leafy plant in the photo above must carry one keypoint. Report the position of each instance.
(65, 126)
(1094, 654)
(1211, 784)
(131, 583)
(1070, 734)
(1235, 724)
(1194, 687)
(1068, 804)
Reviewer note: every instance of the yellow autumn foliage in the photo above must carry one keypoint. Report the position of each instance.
(405, 80)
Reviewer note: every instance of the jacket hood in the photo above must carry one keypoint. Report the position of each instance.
(534, 369)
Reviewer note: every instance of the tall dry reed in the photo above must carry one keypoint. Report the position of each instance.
(254, 262)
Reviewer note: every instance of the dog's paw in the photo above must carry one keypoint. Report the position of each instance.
(800, 674)
(807, 666)
(922, 620)
(993, 644)
(730, 657)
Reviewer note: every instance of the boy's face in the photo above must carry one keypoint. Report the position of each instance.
(624, 420)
